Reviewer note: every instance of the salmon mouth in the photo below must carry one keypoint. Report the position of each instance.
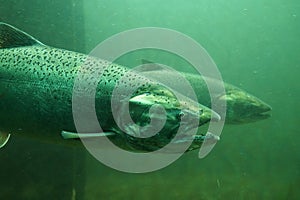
(263, 115)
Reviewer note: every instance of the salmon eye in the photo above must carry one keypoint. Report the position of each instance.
(181, 114)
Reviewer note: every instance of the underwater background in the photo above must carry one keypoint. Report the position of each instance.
(256, 47)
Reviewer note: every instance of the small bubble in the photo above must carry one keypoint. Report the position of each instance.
(244, 11)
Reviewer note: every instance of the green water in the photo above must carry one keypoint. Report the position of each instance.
(255, 45)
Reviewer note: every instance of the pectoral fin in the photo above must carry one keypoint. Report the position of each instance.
(73, 135)
(4, 137)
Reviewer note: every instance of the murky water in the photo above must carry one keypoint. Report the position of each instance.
(255, 45)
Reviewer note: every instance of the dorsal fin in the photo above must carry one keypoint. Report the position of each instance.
(11, 37)
(150, 66)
